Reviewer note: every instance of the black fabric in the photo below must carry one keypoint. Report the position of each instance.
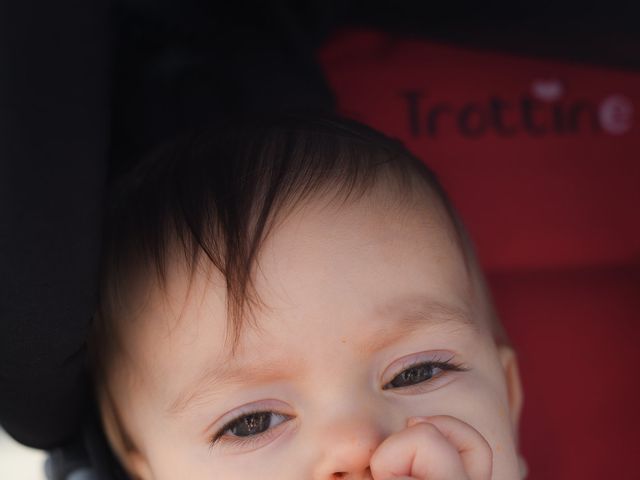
(182, 65)
(88, 451)
(54, 115)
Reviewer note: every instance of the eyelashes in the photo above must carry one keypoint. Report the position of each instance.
(250, 427)
(422, 371)
(257, 426)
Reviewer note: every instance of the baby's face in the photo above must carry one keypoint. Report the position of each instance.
(371, 318)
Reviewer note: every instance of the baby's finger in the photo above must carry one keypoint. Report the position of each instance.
(474, 450)
(420, 452)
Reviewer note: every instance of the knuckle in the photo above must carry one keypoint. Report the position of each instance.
(426, 428)
(375, 463)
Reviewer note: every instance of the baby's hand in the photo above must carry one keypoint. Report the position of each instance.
(433, 448)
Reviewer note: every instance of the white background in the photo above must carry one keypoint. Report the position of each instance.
(18, 462)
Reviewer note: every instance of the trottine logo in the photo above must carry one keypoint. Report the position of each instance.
(540, 111)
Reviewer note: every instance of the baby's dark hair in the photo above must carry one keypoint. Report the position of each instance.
(216, 192)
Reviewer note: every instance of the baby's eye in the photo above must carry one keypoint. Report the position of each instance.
(250, 425)
(420, 373)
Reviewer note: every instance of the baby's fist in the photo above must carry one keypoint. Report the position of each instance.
(433, 448)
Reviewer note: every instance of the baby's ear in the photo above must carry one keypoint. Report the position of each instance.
(131, 459)
(138, 466)
(514, 386)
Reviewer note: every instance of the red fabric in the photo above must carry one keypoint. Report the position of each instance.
(530, 200)
(577, 336)
(541, 159)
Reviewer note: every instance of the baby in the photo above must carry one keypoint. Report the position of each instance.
(297, 299)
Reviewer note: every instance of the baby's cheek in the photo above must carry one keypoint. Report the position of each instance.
(482, 406)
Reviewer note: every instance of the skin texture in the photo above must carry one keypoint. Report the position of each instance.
(335, 279)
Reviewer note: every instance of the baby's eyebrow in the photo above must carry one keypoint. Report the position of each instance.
(406, 315)
(230, 373)
(400, 318)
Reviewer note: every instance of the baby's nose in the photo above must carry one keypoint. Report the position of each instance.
(348, 444)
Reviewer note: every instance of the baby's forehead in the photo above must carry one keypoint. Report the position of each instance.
(326, 251)
(358, 255)
(326, 237)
